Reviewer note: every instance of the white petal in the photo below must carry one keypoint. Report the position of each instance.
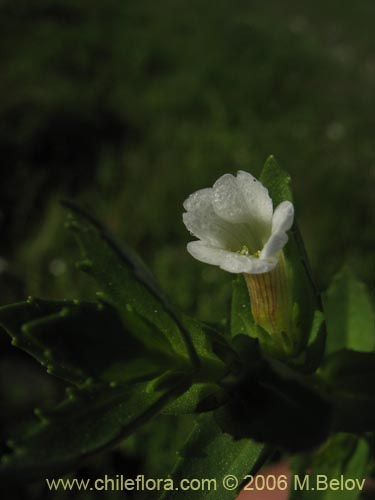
(228, 200)
(282, 221)
(245, 200)
(257, 199)
(275, 243)
(236, 263)
(283, 217)
(229, 261)
(209, 228)
(198, 200)
(202, 221)
(205, 253)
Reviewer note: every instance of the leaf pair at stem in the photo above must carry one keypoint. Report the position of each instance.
(131, 356)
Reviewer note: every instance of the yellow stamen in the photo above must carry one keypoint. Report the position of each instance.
(243, 250)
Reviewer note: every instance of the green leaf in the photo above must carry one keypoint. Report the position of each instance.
(272, 403)
(212, 455)
(90, 420)
(206, 381)
(241, 321)
(306, 298)
(310, 358)
(192, 401)
(350, 379)
(209, 345)
(126, 283)
(349, 314)
(65, 337)
(277, 181)
(17, 319)
(343, 456)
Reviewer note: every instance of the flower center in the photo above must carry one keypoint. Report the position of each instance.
(244, 250)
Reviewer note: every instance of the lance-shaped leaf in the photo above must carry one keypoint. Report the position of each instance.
(91, 419)
(349, 314)
(76, 340)
(205, 392)
(213, 455)
(306, 298)
(241, 320)
(125, 282)
(195, 400)
(343, 458)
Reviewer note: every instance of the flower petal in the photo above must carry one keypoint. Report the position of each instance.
(282, 221)
(258, 201)
(198, 200)
(236, 263)
(243, 199)
(202, 221)
(229, 261)
(228, 200)
(283, 217)
(275, 243)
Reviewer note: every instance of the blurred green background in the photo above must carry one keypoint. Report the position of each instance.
(129, 106)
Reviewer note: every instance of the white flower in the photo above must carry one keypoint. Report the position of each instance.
(238, 229)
